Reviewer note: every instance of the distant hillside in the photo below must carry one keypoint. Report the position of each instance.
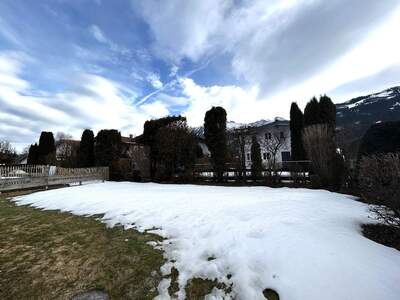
(360, 113)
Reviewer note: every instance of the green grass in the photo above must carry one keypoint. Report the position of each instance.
(53, 255)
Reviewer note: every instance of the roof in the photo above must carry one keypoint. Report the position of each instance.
(68, 141)
(132, 140)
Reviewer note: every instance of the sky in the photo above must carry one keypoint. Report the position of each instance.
(68, 65)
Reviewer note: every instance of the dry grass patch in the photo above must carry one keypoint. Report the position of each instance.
(53, 255)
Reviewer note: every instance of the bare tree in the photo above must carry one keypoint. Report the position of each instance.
(63, 136)
(237, 148)
(272, 144)
(379, 182)
(7, 153)
(66, 149)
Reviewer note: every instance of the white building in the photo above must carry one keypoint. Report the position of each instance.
(274, 140)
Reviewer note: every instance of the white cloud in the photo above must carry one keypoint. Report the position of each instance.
(283, 48)
(155, 109)
(98, 34)
(242, 105)
(154, 80)
(173, 71)
(90, 101)
(183, 28)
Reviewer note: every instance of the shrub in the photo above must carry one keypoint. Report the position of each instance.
(379, 183)
(256, 162)
(176, 148)
(321, 149)
(315, 181)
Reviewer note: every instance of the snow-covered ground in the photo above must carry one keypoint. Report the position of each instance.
(305, 244)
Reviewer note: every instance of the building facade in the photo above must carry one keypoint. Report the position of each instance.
(274, 140)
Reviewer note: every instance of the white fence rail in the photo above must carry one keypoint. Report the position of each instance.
(31, 176)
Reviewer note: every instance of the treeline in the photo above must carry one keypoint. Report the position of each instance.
(174, 147)
(7, 153)
(313, 137)
(44, 152)
(374, 174)
(102, 150)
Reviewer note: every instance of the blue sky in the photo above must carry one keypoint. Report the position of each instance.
(66, 65)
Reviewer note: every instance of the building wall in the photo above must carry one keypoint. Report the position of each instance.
(269, 136)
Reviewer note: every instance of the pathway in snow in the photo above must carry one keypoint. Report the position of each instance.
(305, 244)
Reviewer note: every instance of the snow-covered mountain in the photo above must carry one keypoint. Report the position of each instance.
(259, 123)
(358, 114)
(231, 125)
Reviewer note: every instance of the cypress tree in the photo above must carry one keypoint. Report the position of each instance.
(327, 111)
(312, 114)
(296, 127)
(107, 151)
(46, 149)
(256, 163)
(215, 138)
(86, 149)
(33, 154)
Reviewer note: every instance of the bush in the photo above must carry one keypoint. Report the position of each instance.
(321, 149)
(176, 147)
(379, 183)
(315, 181)
(337, 169)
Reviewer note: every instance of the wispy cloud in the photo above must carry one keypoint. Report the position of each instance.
(91, 101)
(98, 34)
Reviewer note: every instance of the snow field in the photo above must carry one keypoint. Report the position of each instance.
(305, 244)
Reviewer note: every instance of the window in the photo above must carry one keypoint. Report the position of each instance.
(268, 136)
(248, 156)
(264, 156)
(285, 156)
(282, 135)
(268, 155)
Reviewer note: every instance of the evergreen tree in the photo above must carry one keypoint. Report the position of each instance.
(256, 162)
(381, 138)
(296, 127)
(86, 149)
(327, 111)
(33, 154)
(215, 138)
(107, 151)
(312, 114)
(322, 112)
(176, 146)
(46, 149)
(150, 131)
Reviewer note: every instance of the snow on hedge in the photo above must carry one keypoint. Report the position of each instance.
(305, 244)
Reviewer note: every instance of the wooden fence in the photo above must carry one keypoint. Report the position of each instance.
(31, 176)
